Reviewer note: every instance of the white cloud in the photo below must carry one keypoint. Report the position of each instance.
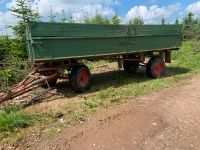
(74, 6)
(78, 8)
(194, 8)
(6, 19)
(81, 8)
(154, 13)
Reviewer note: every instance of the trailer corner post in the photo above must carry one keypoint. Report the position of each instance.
(168, 56)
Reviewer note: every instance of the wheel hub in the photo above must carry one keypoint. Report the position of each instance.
(83, 78)
(158, 69)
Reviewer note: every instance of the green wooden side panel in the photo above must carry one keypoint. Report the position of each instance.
(58, 41)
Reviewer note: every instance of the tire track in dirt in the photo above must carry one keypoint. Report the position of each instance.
(168, 119)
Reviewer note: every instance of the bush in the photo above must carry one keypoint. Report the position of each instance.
(5, 77)
(12, 53)
(188, 56)
(191, 27)
(196, 46)
(12, 74)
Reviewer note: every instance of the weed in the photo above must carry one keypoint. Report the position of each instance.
(187, 57)
(12, 118)
(77, 116)
(90, 104)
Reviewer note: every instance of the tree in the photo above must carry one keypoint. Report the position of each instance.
(191, 27)
(36, 14)
(24, 13)
(52, 17)
(70, 18)
(86, 20)
(136, 21)
(163, 21)
(13, 50)
(5, 46)
(22, 10)
(63, 17)
(116, 20)
(97, 19)
(188, 20)
(176, 21)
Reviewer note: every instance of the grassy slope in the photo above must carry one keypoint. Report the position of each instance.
(116, 90)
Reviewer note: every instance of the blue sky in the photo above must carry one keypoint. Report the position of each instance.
(152, 11)
(128, 4)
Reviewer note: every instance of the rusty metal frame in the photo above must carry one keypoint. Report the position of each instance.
(32, 81)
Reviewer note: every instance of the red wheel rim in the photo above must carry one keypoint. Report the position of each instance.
(158, 69)
(83, 78)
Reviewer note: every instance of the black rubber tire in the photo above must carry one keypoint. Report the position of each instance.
(75, 79)
(131, 67)
(151, 68)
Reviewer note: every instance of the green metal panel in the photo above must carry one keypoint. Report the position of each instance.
(58, 41)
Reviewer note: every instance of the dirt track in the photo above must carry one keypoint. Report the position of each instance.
(169, 119)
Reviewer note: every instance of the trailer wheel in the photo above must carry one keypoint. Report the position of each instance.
(155, 67)
(131, 67)
(80, 78)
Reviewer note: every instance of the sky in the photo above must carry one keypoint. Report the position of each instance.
(152, 11)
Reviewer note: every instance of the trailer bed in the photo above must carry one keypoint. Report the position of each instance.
(61, 41)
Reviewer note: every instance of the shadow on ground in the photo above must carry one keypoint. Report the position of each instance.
(115, 78)
(173, 71)
(104, 80)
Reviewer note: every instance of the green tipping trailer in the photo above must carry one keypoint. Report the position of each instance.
(56, 47)
(60, 41)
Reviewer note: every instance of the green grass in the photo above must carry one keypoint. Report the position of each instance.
(188, 57)
(12, 118)
(93, 64)
(110, 89)
(116, 88)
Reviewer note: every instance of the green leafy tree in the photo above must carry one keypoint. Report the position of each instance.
(52, 17)
(136, 21)
(86, 20)
(189, 19)
(14, 50)
(176, 21)
(63, 18)
(97, 19)
(24, 13)
(116, 20)
(191, 27)
(163, 21)
(5, 46)
(70, 18)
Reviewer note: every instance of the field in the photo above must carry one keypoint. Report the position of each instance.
(22, 126)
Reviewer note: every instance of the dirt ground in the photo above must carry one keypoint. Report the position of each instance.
(165, 120)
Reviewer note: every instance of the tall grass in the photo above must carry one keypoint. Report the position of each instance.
(188, 56)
